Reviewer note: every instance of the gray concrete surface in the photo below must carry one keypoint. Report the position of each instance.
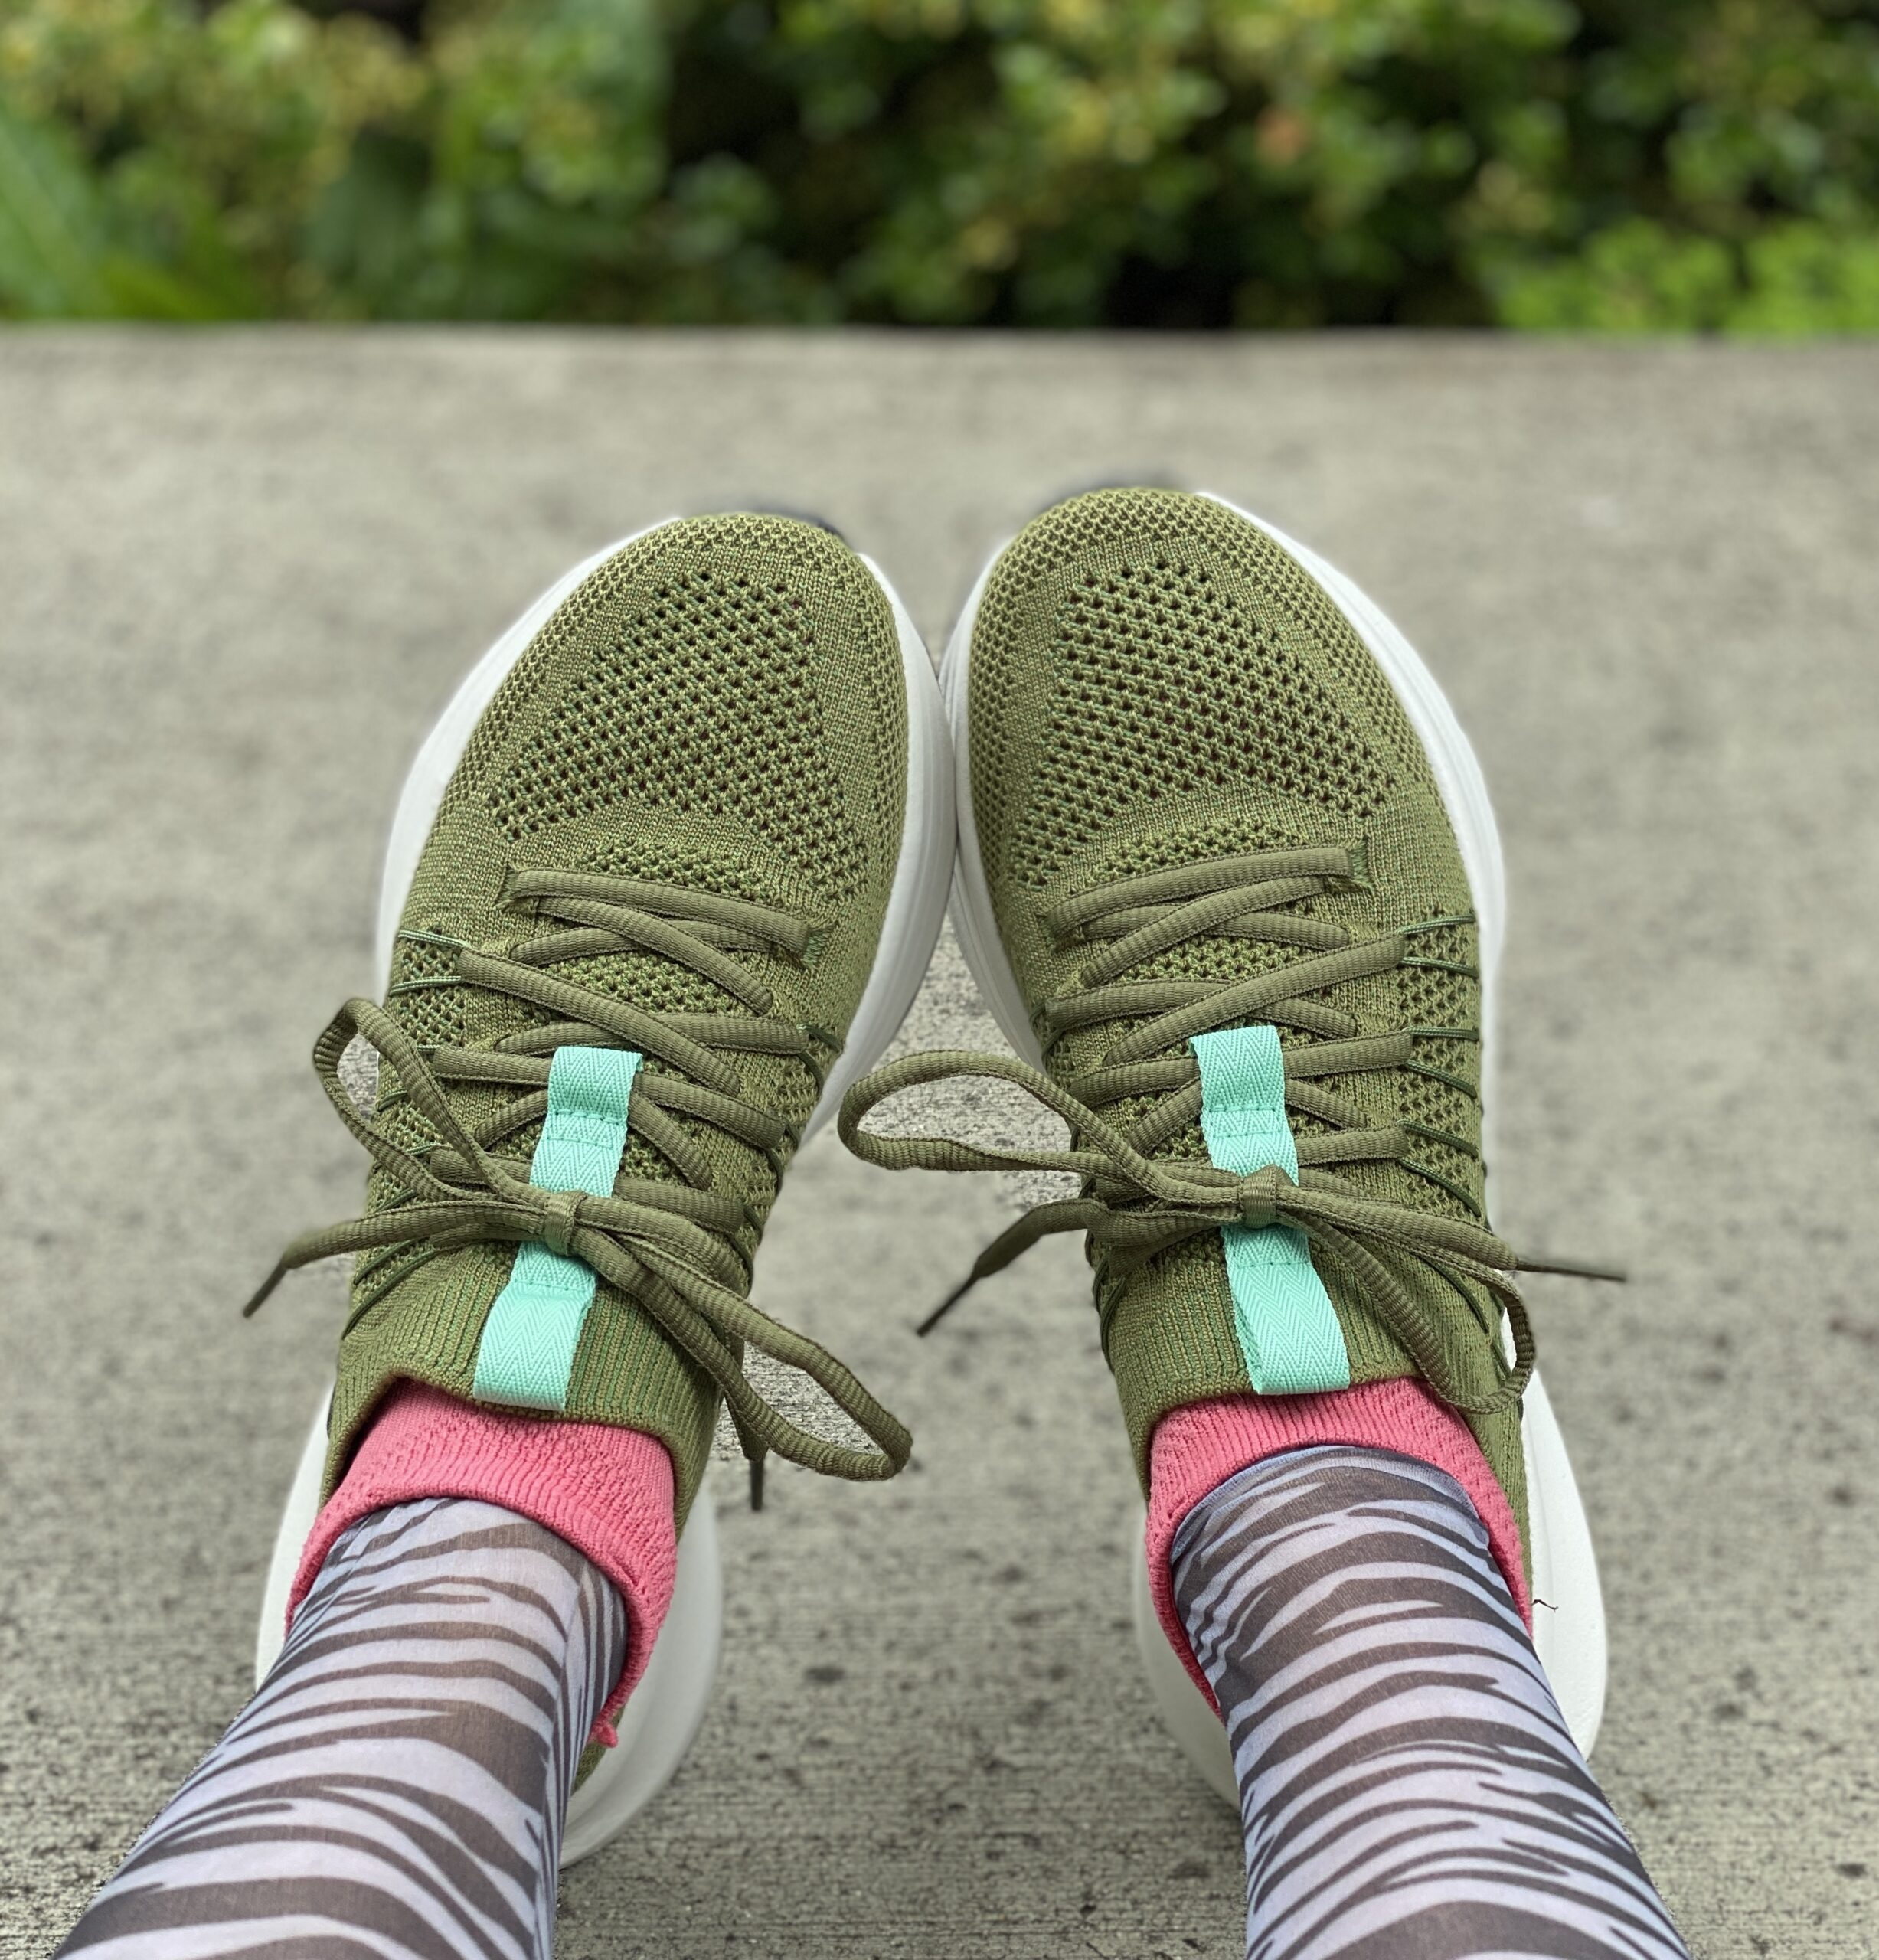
(240, 573)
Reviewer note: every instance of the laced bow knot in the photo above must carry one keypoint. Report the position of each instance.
(1409, 1266)
(1135, 1207)
(664, 1246)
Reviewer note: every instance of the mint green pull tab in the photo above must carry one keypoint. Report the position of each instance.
(526, 1355)
(1283, 1319)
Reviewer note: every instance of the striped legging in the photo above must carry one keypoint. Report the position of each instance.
(397, 1787)
(1407, 1785)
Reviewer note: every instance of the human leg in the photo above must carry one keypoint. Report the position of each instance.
(397, 1786)
(669, 868)
(1408, 1785)
(1230, 883)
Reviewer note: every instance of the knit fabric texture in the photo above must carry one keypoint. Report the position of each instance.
(719, 709)
(607, 1491)
(1154, 684)
(1197, 1448)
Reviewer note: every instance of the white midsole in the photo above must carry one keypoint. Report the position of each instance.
(1569, 1628)
(658, 1724)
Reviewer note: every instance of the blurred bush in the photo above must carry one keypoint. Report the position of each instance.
(1607, 165)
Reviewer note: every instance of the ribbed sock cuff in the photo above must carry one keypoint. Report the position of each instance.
(1196, 1449)
(607, 1491)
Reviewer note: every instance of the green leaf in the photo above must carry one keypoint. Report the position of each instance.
(63, 251)
(53, 242)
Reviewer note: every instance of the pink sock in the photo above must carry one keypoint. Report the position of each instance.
(1197, 1448)
(606, 1491)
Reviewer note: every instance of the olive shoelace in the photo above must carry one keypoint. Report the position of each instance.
(1134, 1205)
(668, 1243)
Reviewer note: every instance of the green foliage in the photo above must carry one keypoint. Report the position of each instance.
(1705, 165)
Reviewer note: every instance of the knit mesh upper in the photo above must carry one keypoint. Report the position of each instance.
(1154, 682)
(718, 707)
(1172, 680)
(720, 668)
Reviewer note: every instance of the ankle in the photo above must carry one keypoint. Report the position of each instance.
(1197, 1449)
(607, 1491)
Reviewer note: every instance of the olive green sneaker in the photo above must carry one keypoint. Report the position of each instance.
(663, 881)
(1228, 880)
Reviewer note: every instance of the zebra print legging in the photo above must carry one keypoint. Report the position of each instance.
(1408, 1788)
(1407, 1784)
(397, 1787)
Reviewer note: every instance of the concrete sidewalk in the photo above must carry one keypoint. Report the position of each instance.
(242, 571)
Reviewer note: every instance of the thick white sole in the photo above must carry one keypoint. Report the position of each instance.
(658, 1723)
(1569, 1615)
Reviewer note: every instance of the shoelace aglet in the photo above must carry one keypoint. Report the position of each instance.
(261, 1292)
(994, 1258)
(756, 1479)
(947, 1306)
(1566, 1270)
